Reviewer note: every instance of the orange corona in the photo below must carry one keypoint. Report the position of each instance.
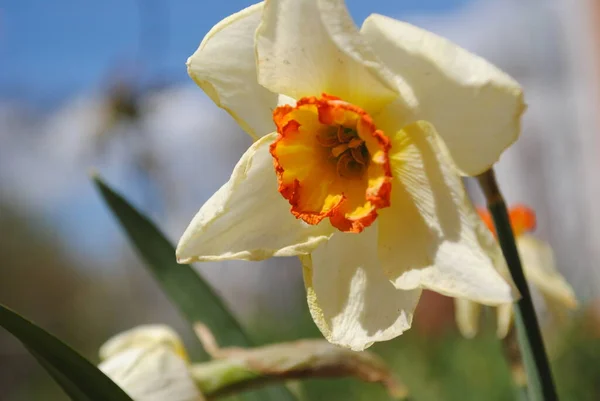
(331, 161)
(522, 219)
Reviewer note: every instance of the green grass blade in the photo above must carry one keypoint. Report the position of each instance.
(194, 298)
(78, 377)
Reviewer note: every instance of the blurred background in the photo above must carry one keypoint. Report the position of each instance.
(103, 85)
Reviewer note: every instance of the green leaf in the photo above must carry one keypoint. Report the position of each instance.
(194, 298)
(78, 377)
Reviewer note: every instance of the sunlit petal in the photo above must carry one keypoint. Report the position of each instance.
(305, 48)
(247, 218)
(224, 66)
(350, 299)
(429, 236)
(475, 107)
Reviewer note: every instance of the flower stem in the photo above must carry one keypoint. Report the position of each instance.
(540, 383)
(234, 370)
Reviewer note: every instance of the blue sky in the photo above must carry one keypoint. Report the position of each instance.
(50, 49)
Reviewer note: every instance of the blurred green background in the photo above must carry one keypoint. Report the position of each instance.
(104, 85)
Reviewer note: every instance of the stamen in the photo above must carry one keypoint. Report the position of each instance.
(345, 135)
(348, 151)
(355, 143)
(325, 168)
(339, 149)
(328, 138)
(360, 155)
(348, 167)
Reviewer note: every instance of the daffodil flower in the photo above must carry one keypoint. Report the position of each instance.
(538, 265)
(347, 170)
(150, 364)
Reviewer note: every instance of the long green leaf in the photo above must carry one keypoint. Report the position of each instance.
(194, 298)
(78, 377)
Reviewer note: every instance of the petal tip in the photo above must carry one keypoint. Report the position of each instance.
(503, 293)
(351, 344)
(468, 333)
(183, 261)
(407, 281)
(180, 253)
(571, 301)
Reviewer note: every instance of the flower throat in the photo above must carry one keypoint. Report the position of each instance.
(346, 150)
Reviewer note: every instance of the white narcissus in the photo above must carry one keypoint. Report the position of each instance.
(540, 271)
(347, 170)
(150, 364)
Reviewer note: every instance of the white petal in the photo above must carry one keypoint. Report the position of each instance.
(540, 270)
(152, 374)
(142, 337)
(350, 299)
(475, 107)
(248, 218)
(225, 67)
(504, 319)
(467, 316)
(305, 48)
(430, 235)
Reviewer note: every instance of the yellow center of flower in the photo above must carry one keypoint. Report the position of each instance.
(331, 161)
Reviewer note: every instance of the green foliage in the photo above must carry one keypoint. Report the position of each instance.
(577, 363)
(194, 297)
(444, 366)
(439, 366)
(79, 378)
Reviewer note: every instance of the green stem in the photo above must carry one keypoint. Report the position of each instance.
(222, 377)
(237, 369)
(540, 383)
